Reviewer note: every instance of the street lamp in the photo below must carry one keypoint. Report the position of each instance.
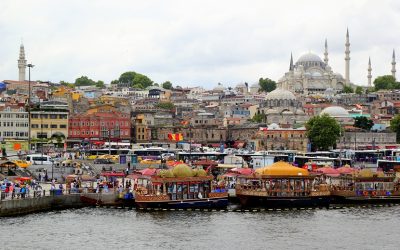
(29, 105)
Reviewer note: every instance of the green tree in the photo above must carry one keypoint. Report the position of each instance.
(395, 127)
(135, 79)
(348, 89)
(363, 123)
(267, 84)
(67, 84)
(156, 84)
(257, 118)
(114, 82)
(167, 85)
(100, 84)
(84, 81)
(359, 90)
(323, 132)
(385, 82)
(165, 105)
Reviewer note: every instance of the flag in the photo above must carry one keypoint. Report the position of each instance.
(175, 137)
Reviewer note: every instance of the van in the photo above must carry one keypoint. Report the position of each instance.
(39, 159)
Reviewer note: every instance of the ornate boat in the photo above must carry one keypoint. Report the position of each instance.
(365, 187)
(282, 185)
(180, 187)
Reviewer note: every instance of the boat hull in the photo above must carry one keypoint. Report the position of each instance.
(354, 200)
(284, 202)
(213, 203)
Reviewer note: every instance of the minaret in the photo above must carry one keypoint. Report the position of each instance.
(347, 58)
(291, 67)
(326, 53)
(394, 65)
(369, 72)
(21, 63)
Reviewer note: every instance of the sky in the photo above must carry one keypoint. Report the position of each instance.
(194, 43)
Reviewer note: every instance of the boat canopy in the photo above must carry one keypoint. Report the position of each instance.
(282, 169)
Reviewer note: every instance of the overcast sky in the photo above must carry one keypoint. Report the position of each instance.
(194, 43)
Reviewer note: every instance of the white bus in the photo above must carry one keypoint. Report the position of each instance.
(39, 159)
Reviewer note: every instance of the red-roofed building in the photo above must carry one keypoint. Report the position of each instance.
(100, 126)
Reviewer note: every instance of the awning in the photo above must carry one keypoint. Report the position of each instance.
(391, 147)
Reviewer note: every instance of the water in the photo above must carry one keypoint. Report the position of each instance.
(109, 228)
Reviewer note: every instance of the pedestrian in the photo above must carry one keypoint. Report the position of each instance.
(40, 177)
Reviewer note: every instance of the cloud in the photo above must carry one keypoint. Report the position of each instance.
(193, 43)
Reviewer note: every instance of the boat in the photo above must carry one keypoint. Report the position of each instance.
(181, 188)
(282, 185)
(365, 187)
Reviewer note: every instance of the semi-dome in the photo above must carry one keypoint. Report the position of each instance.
(335, 111)
(241, 85)
(272, 111)
(282, 169)
(219, 87)
(309, 57)
(280, 94)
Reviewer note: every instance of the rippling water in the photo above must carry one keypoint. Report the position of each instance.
(108, 228)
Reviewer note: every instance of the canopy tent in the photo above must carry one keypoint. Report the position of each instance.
(328, 171)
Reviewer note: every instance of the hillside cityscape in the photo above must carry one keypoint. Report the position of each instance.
(264, 115)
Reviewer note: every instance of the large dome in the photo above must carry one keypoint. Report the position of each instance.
(335, 111)
(280, 94)
(309, 57)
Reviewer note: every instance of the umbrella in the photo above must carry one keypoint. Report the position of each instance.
(243, 171)
(346, 170)
(328, 171)
(148, 171)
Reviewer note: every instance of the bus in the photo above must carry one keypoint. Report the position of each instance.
(154, 153)
(387, 165)
(107, 151)
(301, 160)
(195, 156)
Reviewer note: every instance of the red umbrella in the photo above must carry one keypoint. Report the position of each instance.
(148, 171)
(346, 170)
(243, 171)
(328, 171)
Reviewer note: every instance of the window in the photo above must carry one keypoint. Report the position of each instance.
(45, 125)
(35, 125)
(63, 126)
(41, 135)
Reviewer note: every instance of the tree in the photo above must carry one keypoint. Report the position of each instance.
(156, 84)
(100, 84)
(135, 79)
(267, 84)
(395, 126)
(114, 82)
(348, 89)
(167, 85)
(84, 81)
(67, 84)
(363, 123)
(165, 105)
(323, 132)
(359, 90)
(257, 118)
(386, 82)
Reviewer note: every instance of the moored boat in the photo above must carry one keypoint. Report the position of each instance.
(365, 187)
(282, 185)
(181, 187)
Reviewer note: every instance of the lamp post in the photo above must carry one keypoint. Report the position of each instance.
(29, 105)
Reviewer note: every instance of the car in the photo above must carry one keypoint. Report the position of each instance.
(103, 161)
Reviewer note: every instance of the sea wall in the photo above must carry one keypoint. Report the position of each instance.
(39, 204)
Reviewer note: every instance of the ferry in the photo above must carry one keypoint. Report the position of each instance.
(282, 185)
(365, 187)
(181, 188)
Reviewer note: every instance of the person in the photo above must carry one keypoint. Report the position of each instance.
(127, 171)
(40, 177)
(199, 195)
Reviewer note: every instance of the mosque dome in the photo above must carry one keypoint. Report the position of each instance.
(241, 85)
(287, 112)
(309, 57)
(255, 85)
(280, 94)
(219, 87)
(299, 112)
(335, 111)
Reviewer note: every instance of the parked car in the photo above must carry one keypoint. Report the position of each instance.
(103, 161)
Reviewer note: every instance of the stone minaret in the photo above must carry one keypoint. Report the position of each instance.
(394, 65)
(291, 66)
(326, 52)
(347, 58)
(21, 63)
(369, 72)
